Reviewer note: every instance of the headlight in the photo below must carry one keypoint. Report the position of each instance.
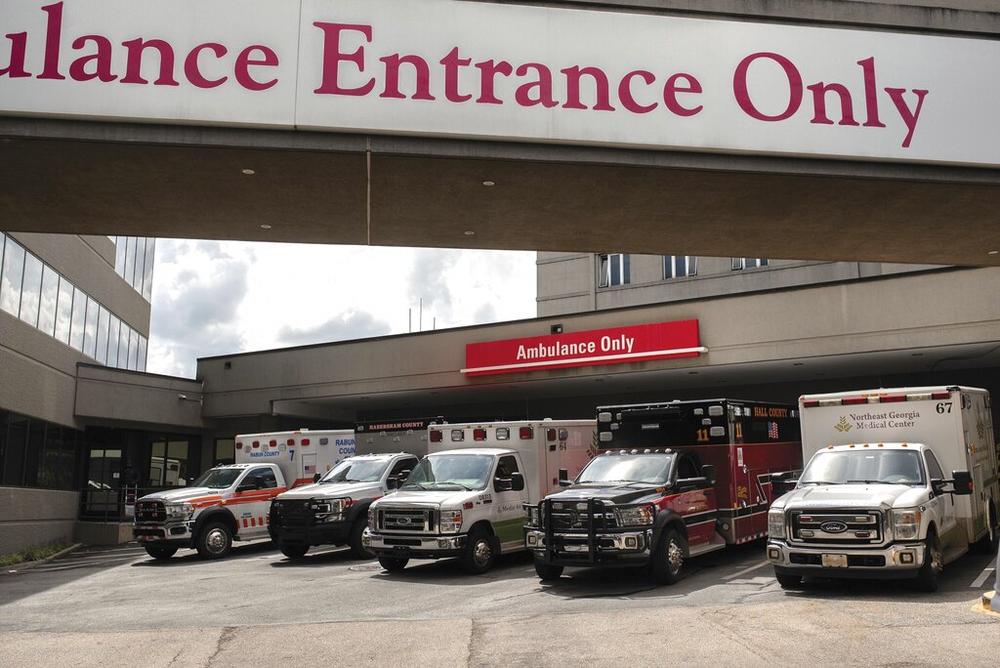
(635, 516)
(179, 510)
(534, 516)
(371, 518)
(906, 523)
(451, 521)
(776, 523)
(330, 508)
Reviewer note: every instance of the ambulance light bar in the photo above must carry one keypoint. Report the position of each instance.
(876, 399)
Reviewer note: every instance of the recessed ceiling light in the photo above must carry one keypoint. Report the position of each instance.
(469, 233)
(248, 172)
(994, 252)
(489, 184)
(265, 226)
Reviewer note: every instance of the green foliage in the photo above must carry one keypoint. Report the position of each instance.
(32, 554)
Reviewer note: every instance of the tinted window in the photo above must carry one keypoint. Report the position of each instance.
(933, 468)
(505, 467)
(687, 468)
(79, 319)
(403, 465)
(64, 310)
(47, 308)
(10, 277)
(31, 289)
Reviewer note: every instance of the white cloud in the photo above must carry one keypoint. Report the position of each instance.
(213, 298)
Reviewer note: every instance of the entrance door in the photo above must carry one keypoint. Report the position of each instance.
(101, 490)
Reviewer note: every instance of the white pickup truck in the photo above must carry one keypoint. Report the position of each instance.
(899, 483)
(466, 498)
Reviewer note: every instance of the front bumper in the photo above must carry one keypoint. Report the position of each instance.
(415, 546)
(897, 560)
(174, 533)
(622, 548)
(327, 533)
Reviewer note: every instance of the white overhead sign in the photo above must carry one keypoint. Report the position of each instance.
(448, 68)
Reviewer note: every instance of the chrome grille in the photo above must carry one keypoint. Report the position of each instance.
(837, 527)
(150, 511)
(406, 519)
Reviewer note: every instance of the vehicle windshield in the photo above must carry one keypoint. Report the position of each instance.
(217, 478)
(358, 470)
(842, 467)
(451, 472)
(650, 469)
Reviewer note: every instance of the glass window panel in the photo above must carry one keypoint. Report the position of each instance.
(79, 319)
(102, 336)
(130, 260)
(225, 451)
(157, 463)
(114, 329)
(120, 243)
(90, 331)
(616, 269)
(762, 262)
(176, 468)
(133, 351)
(140, 260)
(626, 270)
(147, 269)
(123, 338)
(49, 297)
(603, 271)
(64, 310)
(31, 289)
(10, 279)
(141, 362)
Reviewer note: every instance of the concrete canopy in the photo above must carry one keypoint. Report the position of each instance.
(87, 178)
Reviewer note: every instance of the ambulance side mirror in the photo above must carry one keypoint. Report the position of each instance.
(708, 470)
(564, 480)
(517, 481)
(962, 483)
(316, 477)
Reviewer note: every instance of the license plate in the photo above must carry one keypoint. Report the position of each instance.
(835, 560)
(401, 550)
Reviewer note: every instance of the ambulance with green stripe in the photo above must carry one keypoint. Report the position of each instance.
(466, 498)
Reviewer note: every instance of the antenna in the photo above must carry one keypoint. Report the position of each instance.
(421, 314)
(409, 320)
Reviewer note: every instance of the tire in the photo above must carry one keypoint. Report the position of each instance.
(393, 564)
(160, 551)
(547, 571)
(930, 572)
(988, 544)
(480, 554)
(294, 551)
(358, 550)
(215, 541)
(669, 556)
(788, 581)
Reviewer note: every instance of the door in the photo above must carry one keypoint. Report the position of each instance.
(943, 505)
(100, 497)
(508, 505)
(251, 507)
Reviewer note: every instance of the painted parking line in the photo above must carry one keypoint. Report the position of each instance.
(985, 575)
(749, 569)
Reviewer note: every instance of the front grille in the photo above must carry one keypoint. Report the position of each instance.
(294, 513)
(150, 511)
(837, 527)
(575, 516)
(411, 520)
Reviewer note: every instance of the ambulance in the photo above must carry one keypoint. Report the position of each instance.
(466, 498)
(405, 435)
(232, 503)
(899, 483)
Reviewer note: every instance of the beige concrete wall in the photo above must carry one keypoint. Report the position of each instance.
(33, 517)
(131, 397)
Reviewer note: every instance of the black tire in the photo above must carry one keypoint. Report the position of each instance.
(788, 580)
(160, 551)
(358, 550)
(481, 551)
(548, 571)
(393, 564)
(669, 556)
(930, 573)
(989, 543)
(214, 541)
(294, 551)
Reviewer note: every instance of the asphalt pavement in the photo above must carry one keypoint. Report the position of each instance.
(116, 606)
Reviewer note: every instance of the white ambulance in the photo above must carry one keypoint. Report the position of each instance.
(229, 503)
(899, 483)
(466, 498)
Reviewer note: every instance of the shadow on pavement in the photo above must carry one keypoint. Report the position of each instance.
(448, 572)
(188, 556)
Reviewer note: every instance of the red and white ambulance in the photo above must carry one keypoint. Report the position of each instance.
(230, 503)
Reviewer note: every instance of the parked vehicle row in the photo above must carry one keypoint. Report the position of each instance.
(645, 485)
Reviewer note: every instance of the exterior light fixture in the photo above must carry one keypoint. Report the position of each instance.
(265, 226)
(469, 233)
(248, 172)
(489, 184)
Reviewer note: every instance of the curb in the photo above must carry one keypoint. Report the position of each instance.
(28, 565)
(988, 599)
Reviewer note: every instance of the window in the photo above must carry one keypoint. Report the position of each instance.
(613, 269)
(114, 330)
(90, 329)
(140, 364)
(129, 259)
(168, 463)
(403, 465)
(10, 277)
(102, 336)
(147, 270)
(79, 319)
(933, 468)
(748, 262)
(140, 258)
(265, 476)
(49, 297)
(31, 289)
(687, 468)
(505, 467)
(679, 266)
(123, 339)
(225, 451)
(64, 310)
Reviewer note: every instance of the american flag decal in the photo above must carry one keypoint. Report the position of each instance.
(772, 430)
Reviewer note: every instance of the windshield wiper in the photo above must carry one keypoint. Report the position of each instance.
(418, 485)
(821, 482)
(877, 482)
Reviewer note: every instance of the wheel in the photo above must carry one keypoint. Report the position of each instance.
(358, 550)
(669, 556)
(930, 572)
(788, 581)
(160, 551)
(214, 541)
(988, 544)
(294, 551)
(547, 571)
(480, 552)
(393, 564)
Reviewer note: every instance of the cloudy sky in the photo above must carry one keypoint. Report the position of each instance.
(214, 298)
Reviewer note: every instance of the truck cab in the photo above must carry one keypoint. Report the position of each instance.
(226, 504)
(334, 510)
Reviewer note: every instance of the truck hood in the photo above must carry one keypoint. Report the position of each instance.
(333, 490)
(434, 499)
(182, 494)
(617, 494)
(853, 496)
